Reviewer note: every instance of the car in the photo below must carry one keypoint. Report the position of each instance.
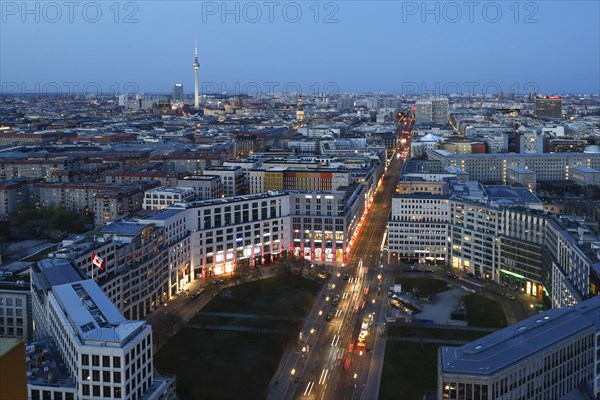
(296, 379)
(346, 277)
(472, 275)
(328, 317)
(511, 296)
(452, 276)
(218, 281)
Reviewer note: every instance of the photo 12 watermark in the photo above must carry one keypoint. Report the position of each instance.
(66, 89)
(454, 12)
(55, 12)
(270, 88)
(253, 12)
(467, 88)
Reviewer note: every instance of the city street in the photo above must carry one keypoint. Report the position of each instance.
(327, 361)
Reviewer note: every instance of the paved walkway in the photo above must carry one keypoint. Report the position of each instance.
(234, 328)
(245, 315)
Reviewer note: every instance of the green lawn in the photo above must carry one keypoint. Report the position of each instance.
(284, 294)
(426, 286)
(409, 369)
(238, 365)
(483, 312)
(221, 365)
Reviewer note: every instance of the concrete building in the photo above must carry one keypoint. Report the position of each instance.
(439, 110)
(15, 310)
(232, 179)
(309, 179)
(205, 187)
(522, 177)
(150, 267)
(14, 193)
(113, 204)
(418, 228)
(411, 187)
(162, 197)
(324, 222)
(177, 96)
(548, 106)
(44, 275)
(493, 167)
(103, 354)
(237, 231)
(585, 176)
(548, 356)
(424, 111)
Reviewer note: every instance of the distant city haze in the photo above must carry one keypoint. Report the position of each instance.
(338, 46)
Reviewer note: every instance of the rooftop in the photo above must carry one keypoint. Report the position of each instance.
(123, 228)
(504, 348)
(92, 315)
(51, 272)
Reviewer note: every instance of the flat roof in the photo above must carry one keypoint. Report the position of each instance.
(163, 214)
(123, 228)
(51, 272)
(91, 313)
(228, 200)
(504, 348)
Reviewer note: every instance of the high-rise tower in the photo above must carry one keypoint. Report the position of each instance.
(196, 68)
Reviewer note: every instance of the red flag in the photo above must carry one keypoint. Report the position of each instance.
(98, 262)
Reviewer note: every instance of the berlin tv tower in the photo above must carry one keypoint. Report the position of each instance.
(196, 68)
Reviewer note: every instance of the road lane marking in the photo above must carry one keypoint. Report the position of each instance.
(308, 388)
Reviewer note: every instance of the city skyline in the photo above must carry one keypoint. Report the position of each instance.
(402, 48)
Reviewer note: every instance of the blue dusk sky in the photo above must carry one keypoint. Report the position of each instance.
(336, 46)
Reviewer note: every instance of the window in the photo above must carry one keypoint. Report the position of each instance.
(96, 390)
(116, 362)
(106, 391)
(106, 361)
(95, 361)
(86, 390)
(116, 377)
(85, 359)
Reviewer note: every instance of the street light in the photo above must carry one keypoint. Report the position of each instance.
(293, 371)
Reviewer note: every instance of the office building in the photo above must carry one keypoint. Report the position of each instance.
(424, 111)
(418, 228)
(553, 355)
(248, 230)
(324, 222)
(159, 198)
(548, 106)
(205, 187)
(439, 110)
(232, 179)
(94, 352)
(493, 167)
(177, 93)
(15, 310)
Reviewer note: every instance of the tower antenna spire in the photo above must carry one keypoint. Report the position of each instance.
(196, 68)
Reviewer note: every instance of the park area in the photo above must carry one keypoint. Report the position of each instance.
(232, 347)
(409, 369)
